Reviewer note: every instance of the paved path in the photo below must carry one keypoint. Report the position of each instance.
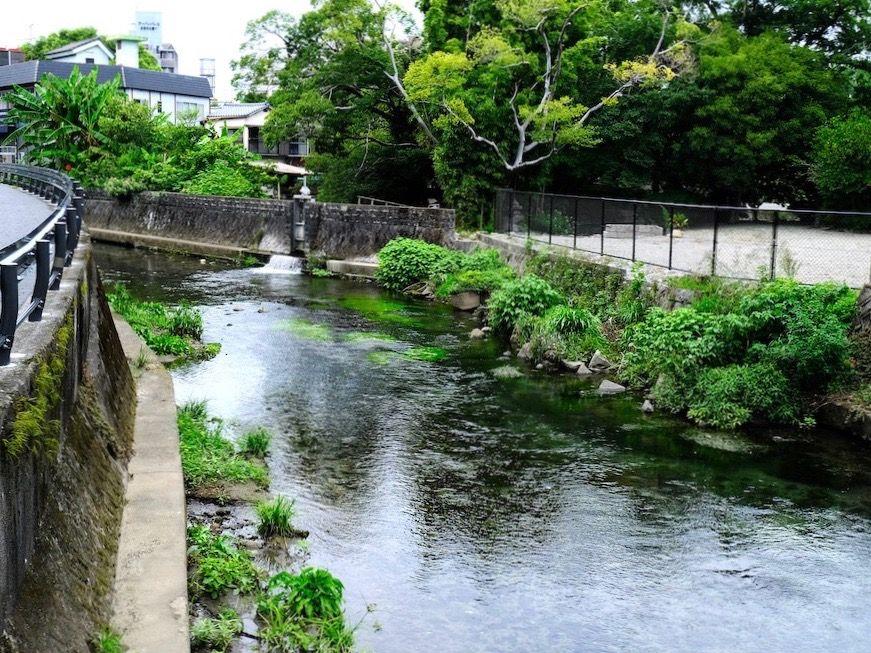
(20, 213)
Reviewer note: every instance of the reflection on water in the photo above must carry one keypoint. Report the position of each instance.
(483, 513)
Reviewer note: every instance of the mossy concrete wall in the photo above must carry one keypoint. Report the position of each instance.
(61, 499)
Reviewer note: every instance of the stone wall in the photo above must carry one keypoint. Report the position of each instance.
(348, 230)
(61, 503)
(863, 313)
(234, 224)
(224, 226)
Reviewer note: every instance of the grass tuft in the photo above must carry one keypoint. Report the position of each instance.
(107, 641)
(217, 565)
(216, 635)
(274, 518)
(255, 442)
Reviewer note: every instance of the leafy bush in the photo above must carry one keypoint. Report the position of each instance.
(482, 281)
(405, 261)
(529, 295)
(562, 333)
(224, 180)
(218, 565)
(304, 612)
(274, 518)
(256, 442)
(216, 635)
(588, 285)
(207, 457)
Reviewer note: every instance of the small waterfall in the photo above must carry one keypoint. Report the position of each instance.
(282, 264)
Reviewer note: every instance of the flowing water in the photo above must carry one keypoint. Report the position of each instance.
(471, 511)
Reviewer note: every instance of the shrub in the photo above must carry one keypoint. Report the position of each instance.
(224, 180)
(106, 641)
(218, 565)
(528, 295)
(274, 518)
(563, 332)
(304, 612)
(589, 285)
(405, 261)
(207, 457)
(256, 442)
(216, 635)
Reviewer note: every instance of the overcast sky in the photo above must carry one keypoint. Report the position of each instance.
(196, 29)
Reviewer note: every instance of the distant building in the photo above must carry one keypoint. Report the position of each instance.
(149, 26)
(244, 120)
(168, 58)
(10, 56)
(91, 50)
(174, 95)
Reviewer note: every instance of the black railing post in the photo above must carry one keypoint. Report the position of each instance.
(575, 236)
(529, 217)
(43, 272)
(8, 309)
(774, 226)
(716, 233)
(670, 234)
(60, 253)
(634, 227)
(602, 231)
(72, 235)
(550, 223)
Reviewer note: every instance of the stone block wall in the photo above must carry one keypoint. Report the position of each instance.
(347, 230)
(61, 502)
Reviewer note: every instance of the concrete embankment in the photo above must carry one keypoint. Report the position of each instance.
(69, 395)
(231, 227)
(150, 602)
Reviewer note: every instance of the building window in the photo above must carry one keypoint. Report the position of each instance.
(89, 59)
(159, 106)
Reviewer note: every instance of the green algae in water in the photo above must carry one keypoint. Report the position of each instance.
(506, 372)
(306, 329)
(379, 309)
(428, 354)
(381, 357)
(369, 336)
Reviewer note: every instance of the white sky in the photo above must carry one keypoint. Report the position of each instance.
(196, 29)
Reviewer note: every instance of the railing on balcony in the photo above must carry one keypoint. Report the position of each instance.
(51, 246)
(285, 148)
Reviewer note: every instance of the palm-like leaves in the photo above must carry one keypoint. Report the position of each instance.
(59, 119)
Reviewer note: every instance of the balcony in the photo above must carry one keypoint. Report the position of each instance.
(285, 148)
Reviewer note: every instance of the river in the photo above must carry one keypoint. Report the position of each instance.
(475, 513)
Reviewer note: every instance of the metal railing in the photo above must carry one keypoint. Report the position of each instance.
(374, 201)
(51, 245)
(725, 241)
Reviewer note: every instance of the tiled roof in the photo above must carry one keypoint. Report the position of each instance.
(69, 48)
(227, 110)
(29, 72)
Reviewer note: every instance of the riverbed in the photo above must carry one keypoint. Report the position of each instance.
(468, 511)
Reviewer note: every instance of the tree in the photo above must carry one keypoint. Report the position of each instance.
(842, 161)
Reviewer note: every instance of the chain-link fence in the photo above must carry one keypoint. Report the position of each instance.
(725, 241)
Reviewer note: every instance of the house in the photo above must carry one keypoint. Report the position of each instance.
(92, 51)
(178, 96)
(245, 120)
(11, 55)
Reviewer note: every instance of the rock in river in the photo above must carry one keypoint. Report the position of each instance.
(477, 334)
(610, 388)
(466, 301)
(583, 370)
(598, 363)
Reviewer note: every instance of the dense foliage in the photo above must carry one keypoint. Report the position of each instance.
(717, 100)
(108, 141)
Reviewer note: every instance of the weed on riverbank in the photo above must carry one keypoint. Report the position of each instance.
(167, 331)
(255, 443)
(107, 641)
(209, 460)
(274, 518)
(216, 635)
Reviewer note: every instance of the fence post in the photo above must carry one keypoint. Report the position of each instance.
(634, 227)
(602, 231)
(43, 272)
(8, 309)
(550, 224)
(670, 234)
(774, 225)
(716, 231)
(60, 253)
(575, 237)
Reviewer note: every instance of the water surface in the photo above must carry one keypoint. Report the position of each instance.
(476, 513)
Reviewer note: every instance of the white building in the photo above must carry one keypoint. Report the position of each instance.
(91, 50)
(149, 26)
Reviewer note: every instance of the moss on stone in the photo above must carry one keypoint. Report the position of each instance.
(34, 428)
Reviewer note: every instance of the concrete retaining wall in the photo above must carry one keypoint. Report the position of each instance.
(230, 227)
(61, 507)
(348, 230)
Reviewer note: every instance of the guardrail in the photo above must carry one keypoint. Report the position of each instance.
(51, 245)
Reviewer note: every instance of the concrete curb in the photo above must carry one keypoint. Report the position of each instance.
(149, 241)
(150, 604)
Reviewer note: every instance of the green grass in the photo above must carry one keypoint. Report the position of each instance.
(167, 331)
(217, 565)
(207, 457)
(216, 635)
(307, 330)
(107, 641)
(255, 442)
(273, 518)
